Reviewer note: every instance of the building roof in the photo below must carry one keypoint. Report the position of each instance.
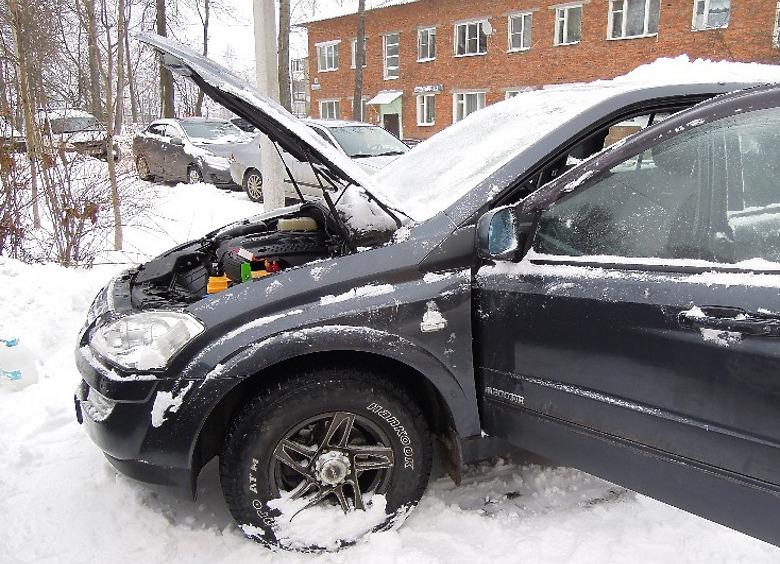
(329, 10)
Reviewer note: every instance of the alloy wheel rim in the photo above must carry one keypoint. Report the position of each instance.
(333, 459)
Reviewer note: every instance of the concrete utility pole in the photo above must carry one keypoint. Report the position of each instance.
(266, 66)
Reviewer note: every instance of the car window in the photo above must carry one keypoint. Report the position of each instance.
(367, 141)
(592, 144)
(322, 134)
(157, 129)
(710, 193)
(172, 131)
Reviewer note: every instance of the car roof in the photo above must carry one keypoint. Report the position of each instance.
(337, 123)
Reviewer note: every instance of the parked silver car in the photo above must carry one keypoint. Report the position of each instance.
(186, 149)
(370, 146)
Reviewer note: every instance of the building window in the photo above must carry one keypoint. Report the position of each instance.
(363, 108)
(426, 109)
(520, 32)
(466, 103)
(470, 39)
(354, 52)
(298, 65)
(633, 18)
(329, 109)
(511, 93)
(328, 56)
(426, 44)
(568, 20)
(391, 57)
(710, 14)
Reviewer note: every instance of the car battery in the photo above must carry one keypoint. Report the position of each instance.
(237, 265)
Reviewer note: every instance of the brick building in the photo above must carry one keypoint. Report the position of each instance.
(430, 63)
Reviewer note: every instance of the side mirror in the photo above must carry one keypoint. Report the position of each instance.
(177, 141)
(501, 233)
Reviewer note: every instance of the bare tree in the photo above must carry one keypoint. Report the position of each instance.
(283, 48)
(166, 78)
(360, 58)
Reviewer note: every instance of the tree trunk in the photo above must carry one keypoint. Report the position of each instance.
(283, 47)
(95, 94)
(199, 102)
(360, 57)
(166, 78)
(121, 33)
(27, 99)
(112, 101)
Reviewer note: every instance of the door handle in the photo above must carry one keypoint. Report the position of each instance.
(731, 319)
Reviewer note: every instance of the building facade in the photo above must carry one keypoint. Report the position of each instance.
(429, 63)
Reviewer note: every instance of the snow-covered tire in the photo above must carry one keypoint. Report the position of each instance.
(253, 185)
(142, 166)
(293, 453)
(194, 174)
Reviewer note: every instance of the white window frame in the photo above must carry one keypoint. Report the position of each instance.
(622, 31)
(526, 22)
(511, 94)
(703, 24)
(425, 104)
(333, 108)
(430, 33)
(354, 52)
(331, 50)
(479, 31)
(562, 24)
(776, 32)
(460, 103)
(391, 72)
(363, 108)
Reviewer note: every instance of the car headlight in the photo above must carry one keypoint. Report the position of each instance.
(145, 341)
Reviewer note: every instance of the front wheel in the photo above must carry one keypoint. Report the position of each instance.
(142, 166)
(253, 185)
(194, 175)
(323, 459)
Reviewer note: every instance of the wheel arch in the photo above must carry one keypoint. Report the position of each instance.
(439, 413)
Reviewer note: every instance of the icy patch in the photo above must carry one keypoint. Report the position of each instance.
(326, 527)
(319, 271)
(432, 319)
(273, 287)
(720, 337)
(362, 292)
(166, 403)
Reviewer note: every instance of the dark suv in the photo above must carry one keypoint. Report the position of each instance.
(621, 319)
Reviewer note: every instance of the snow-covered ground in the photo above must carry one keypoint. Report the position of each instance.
(62, 502)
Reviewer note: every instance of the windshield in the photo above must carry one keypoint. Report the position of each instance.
(74, 124)
(441, 170)
(212, 131)
(367, 141)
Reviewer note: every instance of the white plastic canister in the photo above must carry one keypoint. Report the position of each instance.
(17, 365)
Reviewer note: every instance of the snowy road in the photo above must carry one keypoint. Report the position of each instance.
(61, 502)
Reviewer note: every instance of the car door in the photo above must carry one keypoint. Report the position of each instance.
(647, 310)
(149, 146)
(175, 154)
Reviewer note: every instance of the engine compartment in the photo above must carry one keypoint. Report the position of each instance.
(237, 254)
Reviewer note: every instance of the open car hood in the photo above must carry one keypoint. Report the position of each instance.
(261, 111)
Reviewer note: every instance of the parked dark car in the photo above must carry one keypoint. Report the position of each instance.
(186, 150)
(622, 319)
(74, 130)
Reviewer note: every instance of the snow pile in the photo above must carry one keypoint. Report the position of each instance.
(62, 502)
